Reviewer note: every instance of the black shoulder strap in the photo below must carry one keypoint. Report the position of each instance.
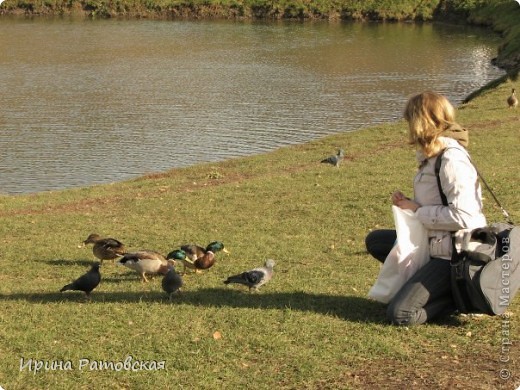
(438, 176)
(443, 196)
(457, 281)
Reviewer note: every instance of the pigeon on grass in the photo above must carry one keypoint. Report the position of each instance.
(335, 159)
(171, 282)
(87, 282)
(254, 278)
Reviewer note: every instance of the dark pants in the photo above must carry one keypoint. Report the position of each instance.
(379, 243)
(426, 295)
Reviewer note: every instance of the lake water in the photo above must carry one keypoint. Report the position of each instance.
(86, 102)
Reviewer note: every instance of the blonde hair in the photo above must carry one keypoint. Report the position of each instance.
(428, 114)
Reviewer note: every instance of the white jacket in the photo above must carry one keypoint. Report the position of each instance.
(459, 181)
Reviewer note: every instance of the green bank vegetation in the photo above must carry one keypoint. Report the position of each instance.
(302, 9)
(504, 17)
(312, 327)
(328, 9)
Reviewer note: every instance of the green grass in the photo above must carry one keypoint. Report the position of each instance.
(312, 327)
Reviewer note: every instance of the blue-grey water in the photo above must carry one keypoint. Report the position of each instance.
(86, 102)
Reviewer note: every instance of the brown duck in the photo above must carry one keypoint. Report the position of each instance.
(512, 100)
(105, 248)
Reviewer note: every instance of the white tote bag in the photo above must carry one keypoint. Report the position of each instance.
(410, 253)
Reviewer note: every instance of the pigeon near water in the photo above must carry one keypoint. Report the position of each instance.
(335, 159)
(254, 278)
(87, 282)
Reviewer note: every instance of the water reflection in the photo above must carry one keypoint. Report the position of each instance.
(87, 102)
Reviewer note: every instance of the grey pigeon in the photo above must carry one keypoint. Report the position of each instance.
(171, 282)
(335, 159)
(254, 278)
(87, 282)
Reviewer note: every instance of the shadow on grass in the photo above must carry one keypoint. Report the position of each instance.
(64, 262)
(349, 308)
(123, 276)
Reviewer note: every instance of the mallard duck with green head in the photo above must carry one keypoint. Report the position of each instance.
(179, 256)
(105, 248)
(199, 258)
(146, 262)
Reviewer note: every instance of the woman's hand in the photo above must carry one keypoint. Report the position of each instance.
(398, 196)
(403, 202)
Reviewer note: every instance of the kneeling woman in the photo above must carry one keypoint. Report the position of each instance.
(432, 129)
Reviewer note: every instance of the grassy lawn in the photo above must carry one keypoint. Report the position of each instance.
(311, 327)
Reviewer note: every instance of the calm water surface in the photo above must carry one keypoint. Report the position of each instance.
(87, 102)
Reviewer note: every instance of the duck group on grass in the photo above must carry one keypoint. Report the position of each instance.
(192, 256)
(149, 262)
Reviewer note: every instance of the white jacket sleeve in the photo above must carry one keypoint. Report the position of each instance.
(460, 185)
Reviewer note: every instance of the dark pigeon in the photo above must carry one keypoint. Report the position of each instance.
(86, 282)
(171, 282)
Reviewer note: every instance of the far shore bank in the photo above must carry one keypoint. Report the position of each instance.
(499, 15)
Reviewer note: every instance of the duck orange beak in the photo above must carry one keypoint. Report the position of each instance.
(226, 251)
